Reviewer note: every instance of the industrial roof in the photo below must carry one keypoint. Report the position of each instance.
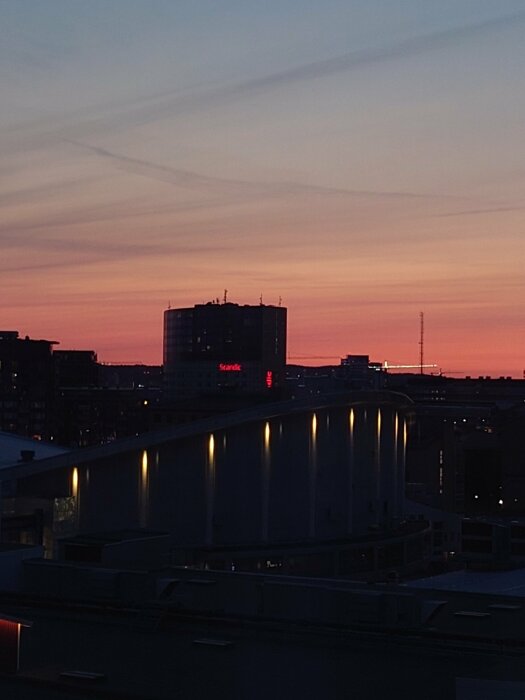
(12, 446)
(495, 582)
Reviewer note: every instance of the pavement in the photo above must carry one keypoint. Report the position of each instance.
(258, 663)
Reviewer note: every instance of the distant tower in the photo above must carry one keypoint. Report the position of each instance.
(421, 341)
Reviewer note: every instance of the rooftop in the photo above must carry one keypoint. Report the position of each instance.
(12, 446)
(493, 582)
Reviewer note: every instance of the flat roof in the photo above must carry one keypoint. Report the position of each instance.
(11, 447)
(510, 583)
(102, 538)
(16, 546)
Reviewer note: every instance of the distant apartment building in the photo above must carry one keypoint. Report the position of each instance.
(224, 349)
(26, 384)
(74, 368)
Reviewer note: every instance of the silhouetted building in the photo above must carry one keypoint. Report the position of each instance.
(493, 543)
(75, 368)
(354, 373)
(148, 377)
(26, 384)
(224, 349)
(356, 367)
(95, 403)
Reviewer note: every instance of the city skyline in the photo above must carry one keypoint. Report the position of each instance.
(360, 160)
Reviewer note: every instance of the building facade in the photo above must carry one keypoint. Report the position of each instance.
(26, 385)
(224, 349)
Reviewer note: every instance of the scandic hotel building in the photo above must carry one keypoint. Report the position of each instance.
(215, 348)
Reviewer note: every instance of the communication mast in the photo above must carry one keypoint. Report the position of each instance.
(421, 341)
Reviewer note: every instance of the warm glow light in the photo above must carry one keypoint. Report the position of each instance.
(378, 422)
(210, 489)
(74, 482)
(314, 426)
(352, 420)
(267, 435)
(144, 467)
(143, 491)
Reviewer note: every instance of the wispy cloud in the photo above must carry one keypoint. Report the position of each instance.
(42, 191)
(63, 254)
(79, 215)
(169, 104)
(214, 185)
(475, 212)
(172, 103)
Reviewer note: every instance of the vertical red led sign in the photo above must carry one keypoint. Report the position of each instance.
(9, 645)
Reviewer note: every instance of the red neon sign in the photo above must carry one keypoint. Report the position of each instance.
(230, 367)
(269, 379)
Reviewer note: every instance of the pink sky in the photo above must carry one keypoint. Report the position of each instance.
(361, 162)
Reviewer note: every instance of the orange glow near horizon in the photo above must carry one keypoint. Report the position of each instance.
(315, 337)
(342, 298)
(357, 188)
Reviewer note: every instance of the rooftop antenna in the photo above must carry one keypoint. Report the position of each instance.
(280, 300)
(169, 304)
(260, 300)
(225, 296)
(421, 340)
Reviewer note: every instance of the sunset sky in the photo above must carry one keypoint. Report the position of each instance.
(362, 159)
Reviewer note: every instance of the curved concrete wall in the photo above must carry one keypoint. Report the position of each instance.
(324, 473)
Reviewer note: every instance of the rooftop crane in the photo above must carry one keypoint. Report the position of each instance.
(386, 366)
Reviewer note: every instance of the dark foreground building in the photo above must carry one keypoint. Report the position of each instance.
(314, 487)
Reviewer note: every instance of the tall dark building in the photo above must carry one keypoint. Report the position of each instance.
(26, 384)
(225, 348)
